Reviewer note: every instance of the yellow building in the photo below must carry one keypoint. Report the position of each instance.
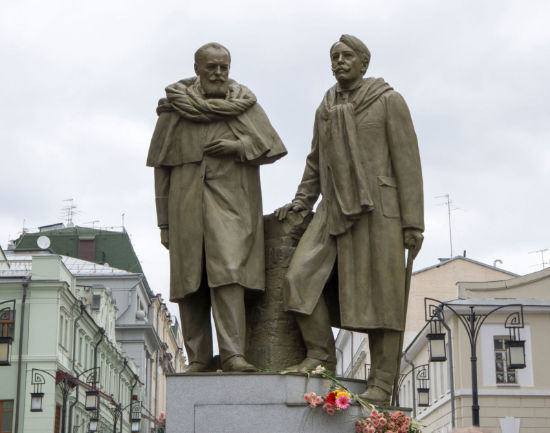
(510, 400)
(437, 281)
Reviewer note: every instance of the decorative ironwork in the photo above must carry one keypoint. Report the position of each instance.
(472, 318)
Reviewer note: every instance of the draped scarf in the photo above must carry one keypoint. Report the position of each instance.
(352, 197)
(186, 98)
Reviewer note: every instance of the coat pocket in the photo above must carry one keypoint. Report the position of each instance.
(388, 196)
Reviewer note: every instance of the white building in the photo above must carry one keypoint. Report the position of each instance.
(59, 339)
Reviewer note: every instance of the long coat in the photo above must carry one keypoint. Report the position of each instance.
(212, 205)
(369, 278)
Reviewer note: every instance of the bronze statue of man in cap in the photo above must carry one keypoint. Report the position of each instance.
(348, 269)
(209, 142)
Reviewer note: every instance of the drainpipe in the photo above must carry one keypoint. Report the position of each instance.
(20, 361)
(157, 389)
(119, 399)
(451, 372)
(413, 384)
(132, 397)
(82, 309)
(101, 335)
(73, 404)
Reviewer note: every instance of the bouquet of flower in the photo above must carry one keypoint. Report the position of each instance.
(336, 399)
(386, 422)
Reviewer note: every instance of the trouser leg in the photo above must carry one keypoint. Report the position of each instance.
(384, 348)
(316, 332)
(229, 317)
(196, 327)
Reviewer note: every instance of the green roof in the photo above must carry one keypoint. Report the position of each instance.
(112, 247)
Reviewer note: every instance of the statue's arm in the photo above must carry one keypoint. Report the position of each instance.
(162, 187)
(310, 186)
(405, 162)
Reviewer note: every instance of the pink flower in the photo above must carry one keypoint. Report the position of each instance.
(342, 401)
(371, 430)
(319, 369)
(318, 399)
(382, 421)
(329, 408)
(374, 413)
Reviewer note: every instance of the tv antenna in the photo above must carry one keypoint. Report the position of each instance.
(448, 203)
(541, 252)
(69, 212)
(92, 223)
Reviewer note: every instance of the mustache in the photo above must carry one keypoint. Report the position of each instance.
(340, 68)
(217, 80)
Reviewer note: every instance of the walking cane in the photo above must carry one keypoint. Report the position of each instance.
(408, 274)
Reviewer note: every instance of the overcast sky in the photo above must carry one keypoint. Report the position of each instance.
(80, 82)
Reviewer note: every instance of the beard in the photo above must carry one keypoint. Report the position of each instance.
(215, 88)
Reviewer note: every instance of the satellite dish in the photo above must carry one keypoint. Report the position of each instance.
(43, 242)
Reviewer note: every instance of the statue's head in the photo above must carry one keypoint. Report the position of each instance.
(212, 63)
(349, 59)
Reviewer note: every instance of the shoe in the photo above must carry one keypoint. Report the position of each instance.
(376, 396)
(307, 365)
(196, 367)
(238, 363)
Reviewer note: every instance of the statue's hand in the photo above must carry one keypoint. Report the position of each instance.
(164, 237)
(223, 147)
(289, 207)
(412, 239)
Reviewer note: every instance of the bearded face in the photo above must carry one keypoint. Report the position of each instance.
(213, 71)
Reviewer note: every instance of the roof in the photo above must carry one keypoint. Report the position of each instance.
(21, 266)
(444, 262)
(111, 248)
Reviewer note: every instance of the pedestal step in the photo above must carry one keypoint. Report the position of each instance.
(253, 403)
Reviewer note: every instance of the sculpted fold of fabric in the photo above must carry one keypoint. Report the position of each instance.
(211, 204)
(355, 251)
(349, 178)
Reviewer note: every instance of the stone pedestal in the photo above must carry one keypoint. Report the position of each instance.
(252, 403)
(273, 338)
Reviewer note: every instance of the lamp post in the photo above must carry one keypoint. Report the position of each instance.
(66, 382)
(135, 415)
(423, 390)
(472, 319)
(7, 326)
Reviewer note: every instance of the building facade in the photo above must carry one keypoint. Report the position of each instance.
(104, 263)
(511, 400)
(60, 350)
(438, 281)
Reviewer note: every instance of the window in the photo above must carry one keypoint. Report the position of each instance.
(86, 249)
(6, 416)
(503, 374)
(96, 302)
(7, 326)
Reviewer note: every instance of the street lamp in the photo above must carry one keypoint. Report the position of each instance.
(36, 401)
(92, 400)
(515, 345)
(66, 381)
(423, 390)
(92, 426)
(135, 417)
(423, 396)
(7, 326)
(472, 321)
(516, 354)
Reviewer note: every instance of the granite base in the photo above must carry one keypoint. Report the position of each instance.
(253, 403)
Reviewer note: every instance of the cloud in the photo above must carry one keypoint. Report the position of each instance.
(81, 82)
